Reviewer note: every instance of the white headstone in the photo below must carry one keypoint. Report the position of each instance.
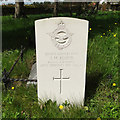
(61, 49)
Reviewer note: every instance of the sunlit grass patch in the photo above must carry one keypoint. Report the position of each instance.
(22, 68)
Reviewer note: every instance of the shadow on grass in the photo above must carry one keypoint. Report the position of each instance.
(13, 39)
(92, 82)
(17, 32)
(14, 36)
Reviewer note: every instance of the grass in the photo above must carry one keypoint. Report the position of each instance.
(22, 69)
(101, 97)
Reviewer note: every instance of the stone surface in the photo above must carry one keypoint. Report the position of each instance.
(33, 74)
(61, 50)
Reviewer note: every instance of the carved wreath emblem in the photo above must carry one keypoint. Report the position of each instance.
(61, 37)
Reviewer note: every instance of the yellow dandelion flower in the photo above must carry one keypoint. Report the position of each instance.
(12, 88)
(115, 23)
(101, 36)
(109, 30)
(90, 28)
(103, 33)
(61, 107)
(98, 118)
(114, 84)
(86, 107)
(114, 35)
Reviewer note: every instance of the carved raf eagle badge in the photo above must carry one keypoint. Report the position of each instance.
(61, 37)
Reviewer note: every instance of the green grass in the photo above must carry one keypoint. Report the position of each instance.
(101, 97)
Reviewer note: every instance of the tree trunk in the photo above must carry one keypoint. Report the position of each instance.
(55, 12)
(19, 9)
(70, 8)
